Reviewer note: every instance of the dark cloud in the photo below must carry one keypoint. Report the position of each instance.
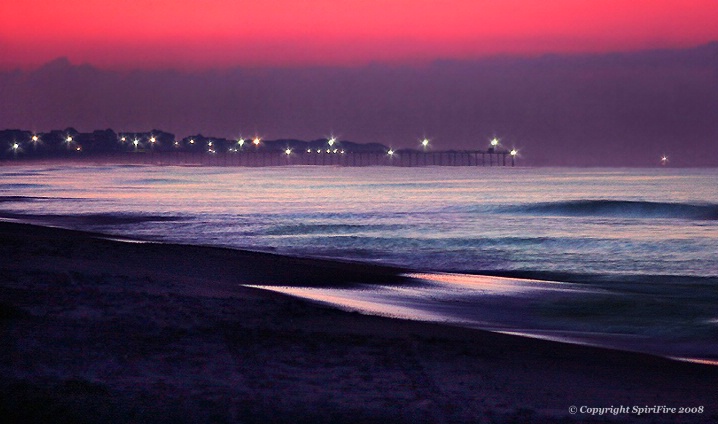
(610, 109)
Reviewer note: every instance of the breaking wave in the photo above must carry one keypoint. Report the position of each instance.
(619, 209)
(91, 219)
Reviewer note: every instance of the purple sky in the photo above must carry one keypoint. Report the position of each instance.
(588, 109)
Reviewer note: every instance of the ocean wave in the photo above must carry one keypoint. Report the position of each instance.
(329, 229)
(20, 199)
(619, 209)
(12, 186)
(74, 220)
(686, 285)
(149, 181)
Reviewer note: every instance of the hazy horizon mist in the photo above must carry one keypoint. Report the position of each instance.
(622, 109)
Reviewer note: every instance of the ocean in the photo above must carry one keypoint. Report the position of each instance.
(622, 258)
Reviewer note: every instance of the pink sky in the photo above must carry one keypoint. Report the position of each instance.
(201, 34)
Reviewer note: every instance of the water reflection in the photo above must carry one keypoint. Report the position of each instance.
(487, 302)
(522, 307)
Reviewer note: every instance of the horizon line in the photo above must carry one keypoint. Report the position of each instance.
(360, 64)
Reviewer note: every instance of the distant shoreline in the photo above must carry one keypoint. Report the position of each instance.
(310, 157)
(163, 148)
(279, 160)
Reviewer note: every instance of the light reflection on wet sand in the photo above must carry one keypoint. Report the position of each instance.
(499, 304)
(475, 301)
(495, 285)
(368, 301)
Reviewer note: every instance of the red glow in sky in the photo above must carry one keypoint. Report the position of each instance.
(197, 34)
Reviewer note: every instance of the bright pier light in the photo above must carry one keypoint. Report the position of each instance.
(425, 142)
(68, 139)
(494, 142)
(390, 152)
(123, 139)
(35, 138)
(256, 141)
(309, 150)
(331, 141)
(153, 140)
(319, 151)
(240, 142)
(15, 146)
(287, 152)
(191, 141)
(136, 142)
(209, 144)
(513, 152)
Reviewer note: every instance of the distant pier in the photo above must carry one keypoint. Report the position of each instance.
(272, 158)
(269, 158)
(157, 147)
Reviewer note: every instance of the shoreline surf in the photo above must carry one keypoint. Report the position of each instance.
(103, 331)
(344, 284)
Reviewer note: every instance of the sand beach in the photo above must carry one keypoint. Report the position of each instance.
(96, 330)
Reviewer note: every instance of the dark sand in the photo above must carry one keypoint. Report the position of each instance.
(101, 331)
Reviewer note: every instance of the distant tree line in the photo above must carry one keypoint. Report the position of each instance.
(18, 144)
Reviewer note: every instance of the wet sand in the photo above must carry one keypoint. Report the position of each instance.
(95, 330)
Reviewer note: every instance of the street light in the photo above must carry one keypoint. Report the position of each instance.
(513, 154)
(68, 141)
(35, 139)
(331, 141)
(425, 143)
(494, 144)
